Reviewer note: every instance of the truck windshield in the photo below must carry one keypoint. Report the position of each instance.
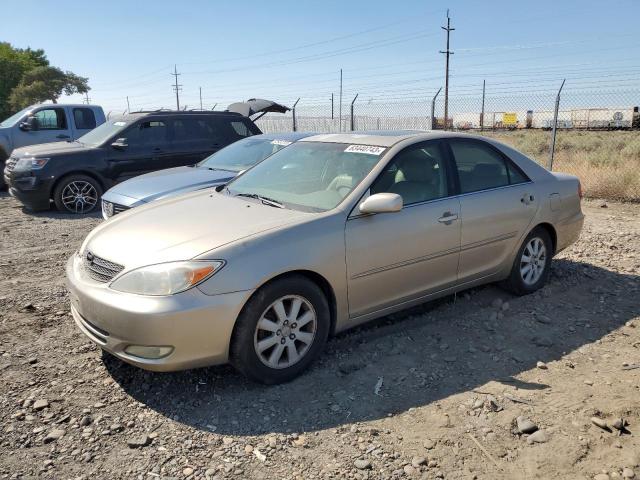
(104, 132)
(11, 121)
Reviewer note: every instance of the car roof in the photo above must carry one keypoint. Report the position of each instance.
(176, 113)
(287, 136)
(382, 138)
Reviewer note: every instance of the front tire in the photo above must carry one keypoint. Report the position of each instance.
(77, 194)
(532, 265)
(281, 330)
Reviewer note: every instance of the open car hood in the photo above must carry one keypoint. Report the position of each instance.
(255, 106)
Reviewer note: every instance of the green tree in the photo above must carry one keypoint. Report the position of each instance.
(14, 63)
(26, 78)
(46, 83)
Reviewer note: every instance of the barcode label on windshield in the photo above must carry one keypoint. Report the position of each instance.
(368, 149)
(284, 143)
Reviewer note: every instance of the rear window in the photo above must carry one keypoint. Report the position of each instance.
(241, 129)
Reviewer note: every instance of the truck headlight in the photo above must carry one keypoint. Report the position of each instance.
(166, 278)
(31, 163)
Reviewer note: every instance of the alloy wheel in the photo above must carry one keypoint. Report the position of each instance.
(79, 196)
(285, 332)
(533, 261)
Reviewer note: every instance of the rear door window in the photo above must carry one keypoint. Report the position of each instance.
(481, 167)
(147, 133)
(195, 131)
(84, 118)
(51, 119)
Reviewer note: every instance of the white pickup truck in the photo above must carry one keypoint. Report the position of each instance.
(46, 123)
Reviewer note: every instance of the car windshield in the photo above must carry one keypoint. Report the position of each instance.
(243, 154)
(9, 122)
(104, 132)
(308, 176)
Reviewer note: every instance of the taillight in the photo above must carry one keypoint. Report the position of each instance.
(579, 189)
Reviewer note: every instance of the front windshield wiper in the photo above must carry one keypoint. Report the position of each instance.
(265, 200)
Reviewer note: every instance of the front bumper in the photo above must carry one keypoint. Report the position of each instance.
(32, 191)
(197, 326)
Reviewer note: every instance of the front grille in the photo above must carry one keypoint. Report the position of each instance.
(119, 208)
(110, 209)
(10, 164)
(99, 269)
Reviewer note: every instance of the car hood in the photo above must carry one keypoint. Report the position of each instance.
(183, 227)
(164, 183)
(54, 148)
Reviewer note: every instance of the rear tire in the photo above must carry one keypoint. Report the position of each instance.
(532, 265)
(77, 194)
(3, 161)
(281, 330)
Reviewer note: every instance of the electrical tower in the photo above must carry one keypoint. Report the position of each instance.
(177, 87)
(447, 52)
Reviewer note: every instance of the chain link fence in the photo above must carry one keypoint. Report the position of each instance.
(597, 132)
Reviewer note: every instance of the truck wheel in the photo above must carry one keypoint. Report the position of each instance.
(77, 194)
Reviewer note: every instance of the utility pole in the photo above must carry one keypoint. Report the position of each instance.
(86, 98)
(332, 106)
(340, 109)
(482, 114)
(447, 52)
(176, 87)
(200, 98)
(128, 107)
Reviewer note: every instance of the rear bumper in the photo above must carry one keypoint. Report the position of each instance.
(568, 231)
(198, 327)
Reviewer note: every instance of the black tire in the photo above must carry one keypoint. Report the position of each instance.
(243, 355)
(3, 161)
(516, 283)
(81, 180)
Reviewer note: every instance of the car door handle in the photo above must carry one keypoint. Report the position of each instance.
(157, 150)
(62, 136)
(527, 199)
(448, 217)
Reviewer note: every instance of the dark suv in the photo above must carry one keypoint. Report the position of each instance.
(74, 174)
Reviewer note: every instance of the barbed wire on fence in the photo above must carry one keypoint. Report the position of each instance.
(597, 131)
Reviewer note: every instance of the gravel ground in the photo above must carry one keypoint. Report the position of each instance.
(434, 392)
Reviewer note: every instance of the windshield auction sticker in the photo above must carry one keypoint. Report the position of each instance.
(283, 143)
(368, 149)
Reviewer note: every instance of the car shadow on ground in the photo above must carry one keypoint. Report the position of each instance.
(422, 355)
(53, 212)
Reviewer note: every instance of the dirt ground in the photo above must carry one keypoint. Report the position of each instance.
(433, 392)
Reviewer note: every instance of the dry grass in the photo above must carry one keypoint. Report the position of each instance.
(607, 163)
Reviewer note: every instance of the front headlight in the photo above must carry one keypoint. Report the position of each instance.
(31, 163)
(166, 278)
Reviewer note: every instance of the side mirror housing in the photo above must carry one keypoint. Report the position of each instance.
(381, 203)
(30, 124)
(120, 144)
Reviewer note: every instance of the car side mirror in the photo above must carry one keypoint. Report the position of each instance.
(120, 144)
(30, 124)
(382, 203)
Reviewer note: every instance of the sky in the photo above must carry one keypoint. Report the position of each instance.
(284, 50)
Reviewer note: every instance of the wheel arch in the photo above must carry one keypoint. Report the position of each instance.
(550, 229)
(314, 277)
(77, 172)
